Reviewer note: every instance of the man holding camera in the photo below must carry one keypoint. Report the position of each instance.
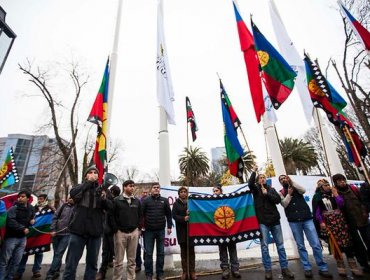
(87, 225)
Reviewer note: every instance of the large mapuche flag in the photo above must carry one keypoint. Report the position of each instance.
(219, 219)
(277, 74)
(39, 238)
(99, 116)
(8, 172)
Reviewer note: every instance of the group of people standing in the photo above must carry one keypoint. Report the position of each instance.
(340, 217)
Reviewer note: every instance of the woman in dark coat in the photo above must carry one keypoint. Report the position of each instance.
(180, 214)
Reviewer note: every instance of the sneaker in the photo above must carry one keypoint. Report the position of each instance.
(226, 273)
(287, 273)
(341, 268)
(100, 276)
(268, 274)
(236, 274)
(36, 275)
(308, 274)
(325, 274)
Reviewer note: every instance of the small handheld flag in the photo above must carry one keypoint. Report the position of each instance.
(8, 172)
(191, 119)
(99, 116)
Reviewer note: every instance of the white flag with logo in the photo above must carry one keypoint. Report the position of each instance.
(165, 92)
(269, 109)
(292, 56)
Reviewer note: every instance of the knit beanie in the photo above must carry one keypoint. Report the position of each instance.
(92, 167)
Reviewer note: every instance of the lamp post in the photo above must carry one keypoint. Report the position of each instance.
(7, 37)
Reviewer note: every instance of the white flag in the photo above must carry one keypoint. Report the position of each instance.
(269, 109)
(290, 53)
(165, 92)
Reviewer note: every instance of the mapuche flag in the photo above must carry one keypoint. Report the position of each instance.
(191, 119)
(351, 140)
(39, 238)
(277, 74)
(323, 94)
(8, 171)
(234, 150)
(99, 116)
(362, 33)
(252, 64)
(220, 219)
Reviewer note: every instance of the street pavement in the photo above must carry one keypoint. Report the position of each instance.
(251, 268)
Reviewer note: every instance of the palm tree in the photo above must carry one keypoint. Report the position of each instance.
(298, 155)
(194, 164)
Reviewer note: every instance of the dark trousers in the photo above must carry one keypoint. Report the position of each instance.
(76, 247)
(185, 260)
(60, 244)
(107, 253)
(152, 237)
(228, 251)
(359, 239)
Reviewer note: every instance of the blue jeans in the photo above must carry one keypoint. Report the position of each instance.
(60, 244)
(224, 256)
(308, 228)
(151, 236)
(10, 257)
(36, 264)
(277, 235)
(76, 247)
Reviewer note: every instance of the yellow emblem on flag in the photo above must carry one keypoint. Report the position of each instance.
(263, 57)
(312, 86)
(224, 217)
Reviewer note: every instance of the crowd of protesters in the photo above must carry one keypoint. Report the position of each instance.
(125, 223)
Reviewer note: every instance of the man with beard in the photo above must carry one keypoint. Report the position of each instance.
(301, 223)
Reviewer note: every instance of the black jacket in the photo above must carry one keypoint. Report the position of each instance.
(265, 205)
(156, 210)
(88, 214)
(179, 209)
(18, 219)
(126, 216)
(298, 209)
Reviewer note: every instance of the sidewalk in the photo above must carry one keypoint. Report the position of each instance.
(207, 266)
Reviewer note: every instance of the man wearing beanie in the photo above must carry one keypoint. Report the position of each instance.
(87, 225)
(357, 218)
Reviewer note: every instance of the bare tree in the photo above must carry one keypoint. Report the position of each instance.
(42, 80)
(353, 70)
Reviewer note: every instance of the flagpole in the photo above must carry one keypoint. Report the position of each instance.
(113, 71)
(348, 133)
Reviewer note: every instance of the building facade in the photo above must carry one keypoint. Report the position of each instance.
(39, 164)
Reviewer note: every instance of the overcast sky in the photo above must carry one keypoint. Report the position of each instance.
(202, 40)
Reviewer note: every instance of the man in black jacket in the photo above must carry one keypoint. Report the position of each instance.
(125, 224)
(19, 219)
(265, 200)
(156, 210)
(87, 225)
